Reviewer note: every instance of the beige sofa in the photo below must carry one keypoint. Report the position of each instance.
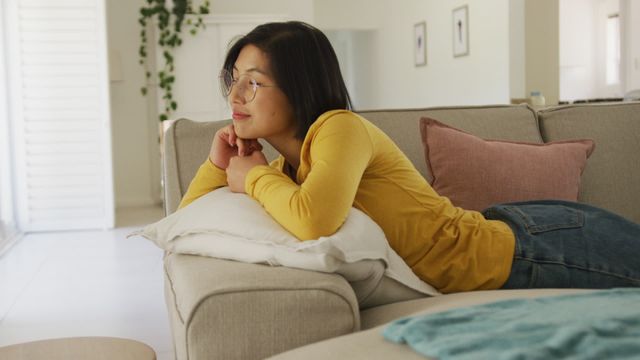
(228, 310)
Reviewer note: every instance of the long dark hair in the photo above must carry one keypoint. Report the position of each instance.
(304, 66)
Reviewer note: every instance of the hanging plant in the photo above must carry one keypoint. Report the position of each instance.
(168, 22)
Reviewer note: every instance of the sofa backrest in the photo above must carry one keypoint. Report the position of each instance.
(611, 179)
(502, 122)
(187, 142)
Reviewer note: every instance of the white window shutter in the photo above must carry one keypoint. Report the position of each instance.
(59, 93)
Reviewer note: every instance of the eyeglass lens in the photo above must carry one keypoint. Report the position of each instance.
(246, 86)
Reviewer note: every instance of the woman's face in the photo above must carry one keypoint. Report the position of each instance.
(269, 114)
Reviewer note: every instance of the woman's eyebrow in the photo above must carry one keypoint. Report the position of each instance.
(253, 69)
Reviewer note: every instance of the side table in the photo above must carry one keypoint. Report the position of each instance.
(79, 348)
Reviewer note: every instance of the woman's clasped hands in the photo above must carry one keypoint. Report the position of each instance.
(236, 156)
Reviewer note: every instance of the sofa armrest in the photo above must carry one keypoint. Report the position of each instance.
(223, 309)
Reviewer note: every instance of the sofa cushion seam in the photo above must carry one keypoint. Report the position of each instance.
(340, 296)
(175, 154)
(173, 292)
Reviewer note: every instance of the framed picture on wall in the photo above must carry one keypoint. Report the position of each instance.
(461, 31)
(420, 43)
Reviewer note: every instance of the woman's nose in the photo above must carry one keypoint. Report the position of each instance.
(235, 96)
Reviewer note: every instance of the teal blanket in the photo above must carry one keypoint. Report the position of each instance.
(599, 325)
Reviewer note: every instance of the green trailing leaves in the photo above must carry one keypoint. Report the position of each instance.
(168, 24)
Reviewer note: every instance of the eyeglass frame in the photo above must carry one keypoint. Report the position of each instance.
(226, 89)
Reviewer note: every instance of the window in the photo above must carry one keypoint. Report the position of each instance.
(613, 49)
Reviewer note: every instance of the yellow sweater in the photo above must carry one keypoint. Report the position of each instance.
(346, 161)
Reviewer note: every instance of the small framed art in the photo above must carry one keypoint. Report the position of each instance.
(420, 43)
(461, 31)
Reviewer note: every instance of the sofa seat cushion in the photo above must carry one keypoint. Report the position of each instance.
(370, 344)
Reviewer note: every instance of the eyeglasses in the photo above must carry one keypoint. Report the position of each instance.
(246, 86)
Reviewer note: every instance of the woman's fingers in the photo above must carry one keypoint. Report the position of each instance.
(244, 146)
(251, 146)
(232, 135)
(247, 146)
(241, 146)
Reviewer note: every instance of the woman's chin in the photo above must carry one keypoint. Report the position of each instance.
(242, 130)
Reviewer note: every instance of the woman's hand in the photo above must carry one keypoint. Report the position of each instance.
(226, 144)
(239, 167)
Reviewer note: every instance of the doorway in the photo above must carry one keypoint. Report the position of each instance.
(590, 50)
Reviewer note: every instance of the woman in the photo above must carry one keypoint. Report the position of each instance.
(284, 85)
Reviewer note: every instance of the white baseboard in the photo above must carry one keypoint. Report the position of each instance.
(8, 238)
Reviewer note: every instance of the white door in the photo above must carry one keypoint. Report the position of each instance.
(59, 114)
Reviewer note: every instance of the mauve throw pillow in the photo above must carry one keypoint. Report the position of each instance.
(475, 173)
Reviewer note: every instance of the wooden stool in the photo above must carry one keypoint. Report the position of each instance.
(77, 348)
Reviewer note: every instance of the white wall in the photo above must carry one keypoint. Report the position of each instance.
(542, 49)
(632, 44)
(375, 47)
(350, 14)
(295, 9)
(134, 129)
(577, 50)
(517, 58)
(394, 81)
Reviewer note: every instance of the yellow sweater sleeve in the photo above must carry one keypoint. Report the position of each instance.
(208, 178)
(337, 150)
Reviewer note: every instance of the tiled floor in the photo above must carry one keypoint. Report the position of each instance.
(86, 283)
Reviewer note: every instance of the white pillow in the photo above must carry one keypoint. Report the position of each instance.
(234, 226)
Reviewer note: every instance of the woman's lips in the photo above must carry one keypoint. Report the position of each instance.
(239, 116)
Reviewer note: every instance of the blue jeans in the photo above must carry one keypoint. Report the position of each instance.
(561, 244)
